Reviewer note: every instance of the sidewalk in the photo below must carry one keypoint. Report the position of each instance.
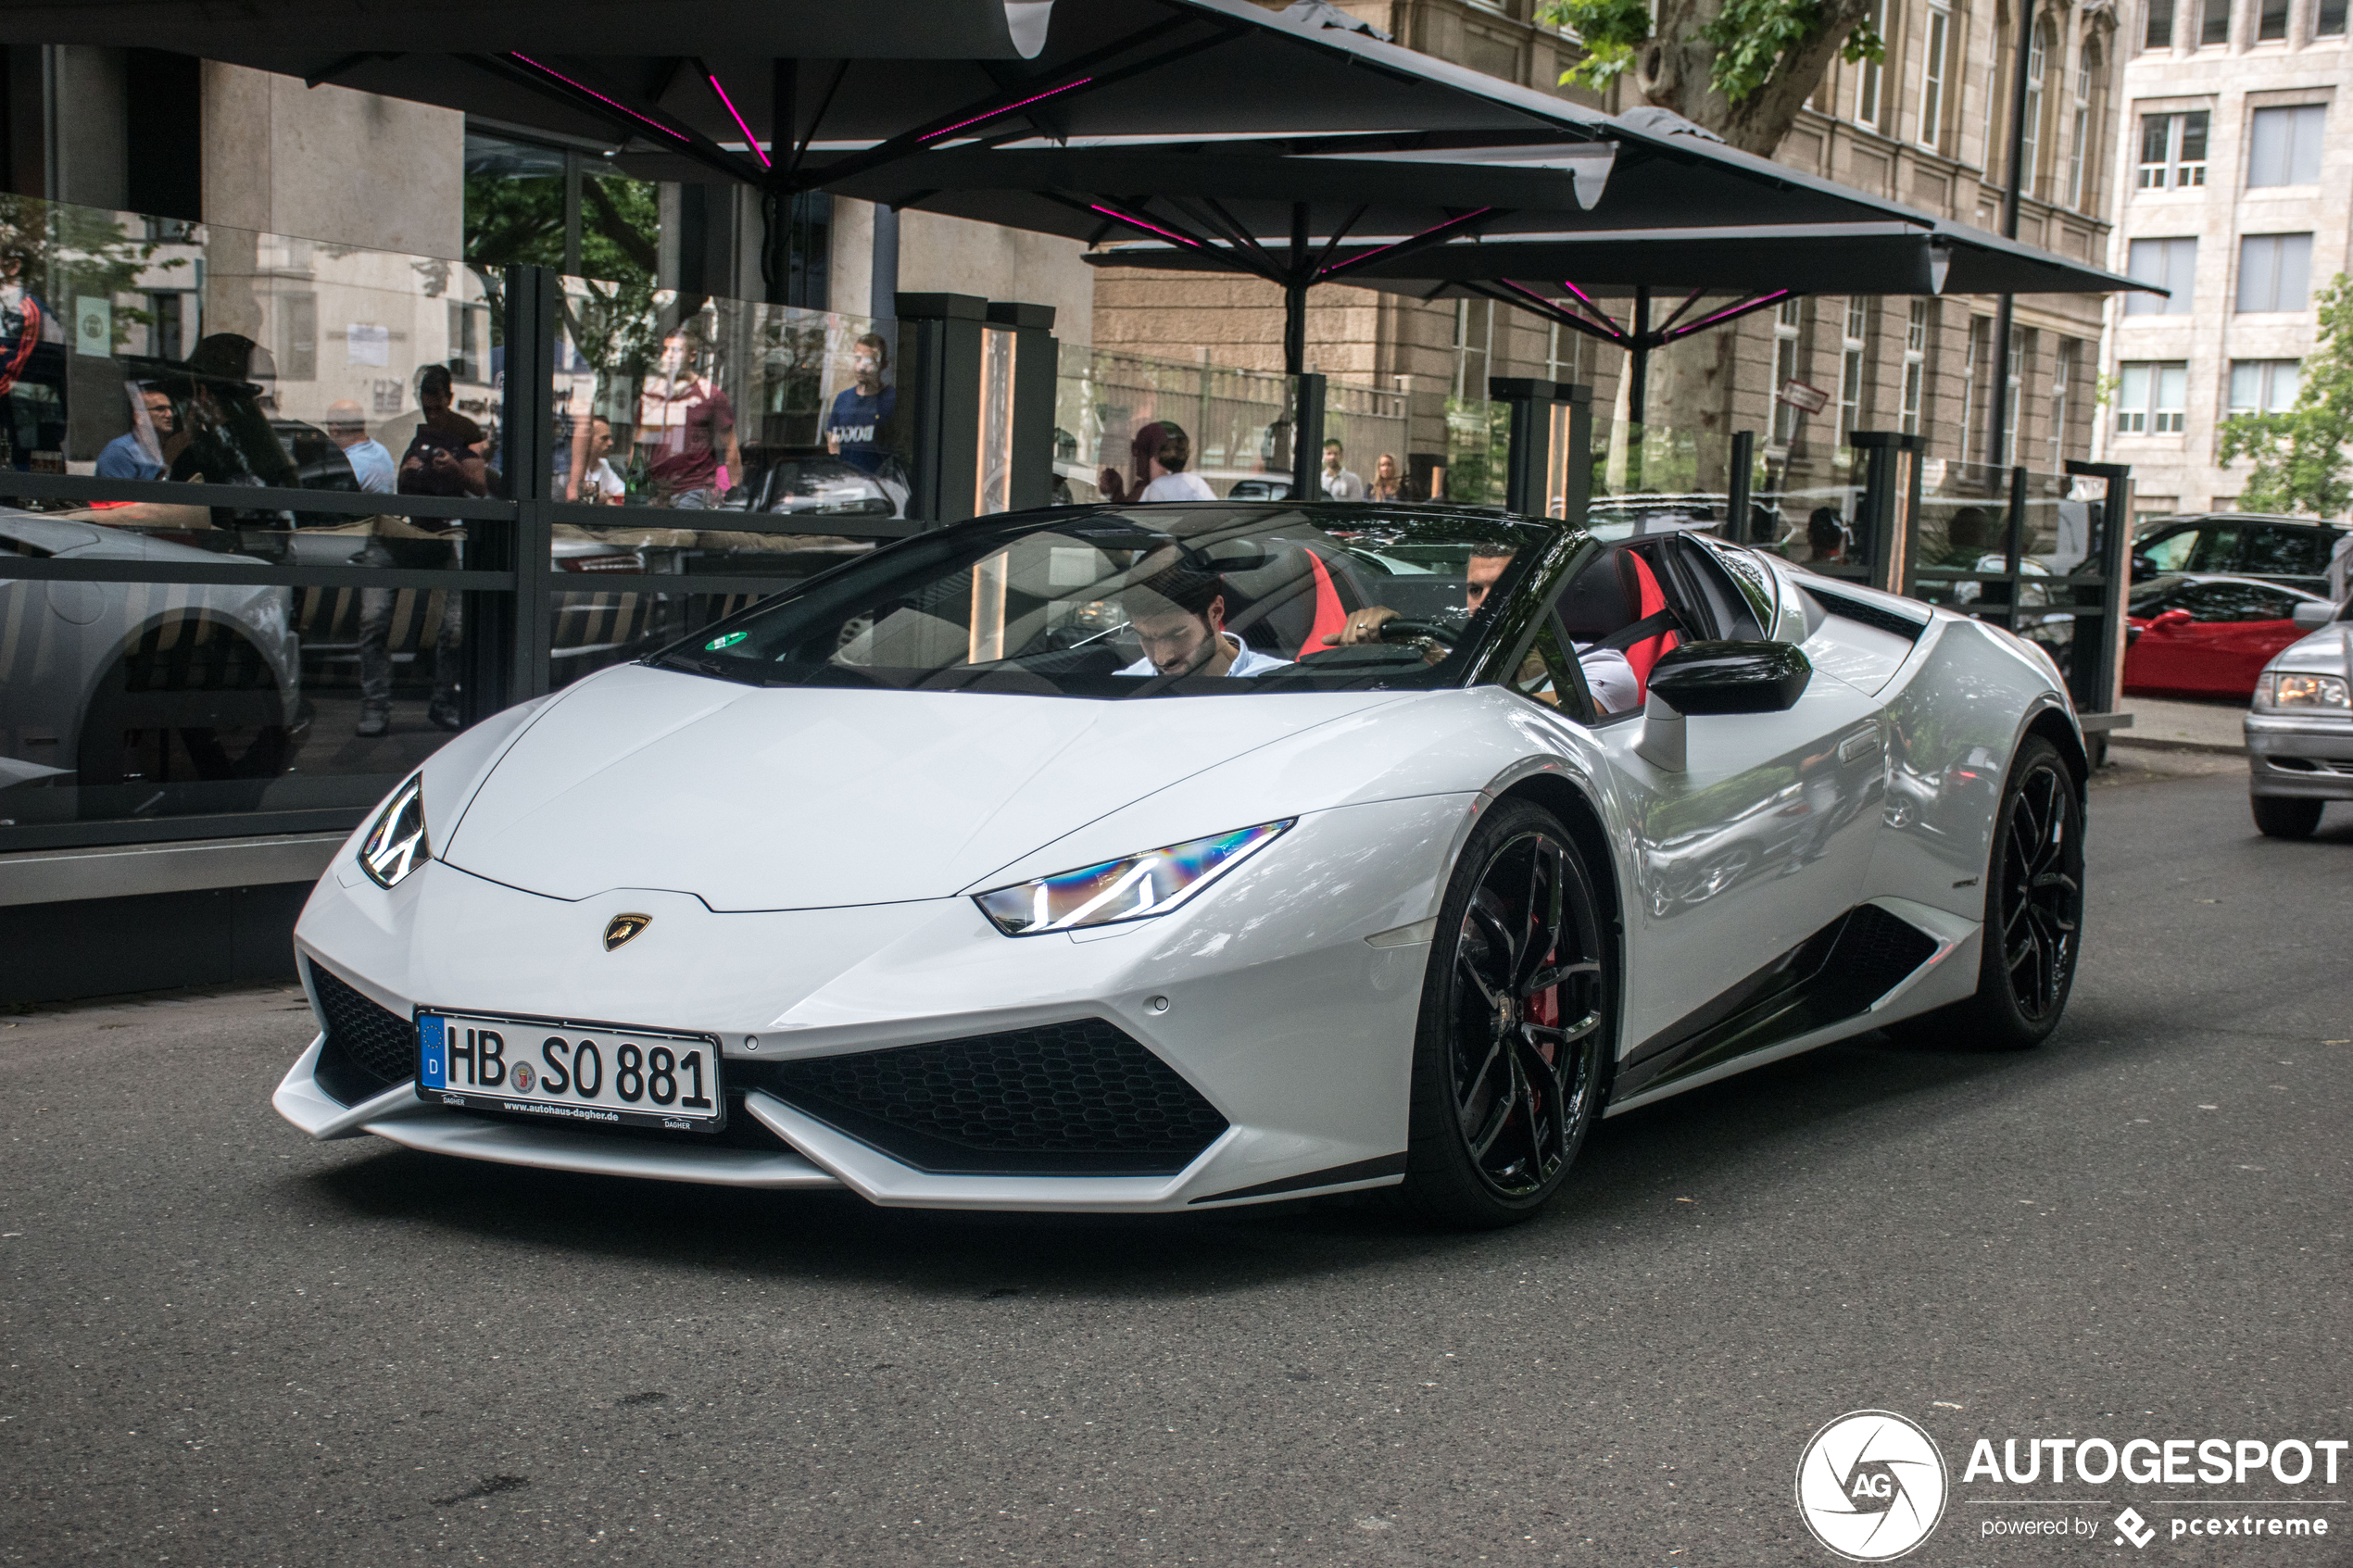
(2182, 726)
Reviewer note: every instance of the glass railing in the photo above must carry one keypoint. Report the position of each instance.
(1235, 425)
(244, 472)
(1650, 477)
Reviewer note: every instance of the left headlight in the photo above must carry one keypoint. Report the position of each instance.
(1136, 889)
(2289, 688)
(395, 844)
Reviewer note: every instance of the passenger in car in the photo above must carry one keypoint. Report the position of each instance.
(1608, 675)
(1178, 614)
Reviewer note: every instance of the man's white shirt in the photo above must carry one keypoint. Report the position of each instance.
(1247, 661)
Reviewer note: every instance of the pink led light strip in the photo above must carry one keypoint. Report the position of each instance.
(737, 116)
(992, 114)
(1154, 228)
(1355, 261)
(584, 87)
(1607, 323)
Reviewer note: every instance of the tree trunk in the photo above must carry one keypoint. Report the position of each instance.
(1672, 71)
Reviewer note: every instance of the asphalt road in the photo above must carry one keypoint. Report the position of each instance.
(225, 1345)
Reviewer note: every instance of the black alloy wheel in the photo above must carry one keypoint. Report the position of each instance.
(2038, 896)
(1517, 1008)
(2033, 930)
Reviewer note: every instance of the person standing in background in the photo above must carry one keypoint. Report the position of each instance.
(1387, 484)
(137, 453)
(688, 426)
(862, 413)
(1339, 485)
(371, 461)
(445, 457)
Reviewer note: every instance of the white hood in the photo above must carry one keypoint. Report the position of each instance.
(796, 798)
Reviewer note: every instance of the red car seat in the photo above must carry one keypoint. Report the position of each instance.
(1644, 594)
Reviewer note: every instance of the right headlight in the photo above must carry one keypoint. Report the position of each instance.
(1135, 888)
(395, 844)
(2293, 689)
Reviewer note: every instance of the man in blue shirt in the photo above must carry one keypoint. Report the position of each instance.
(371, 461)
(129, 455)
(862, 413)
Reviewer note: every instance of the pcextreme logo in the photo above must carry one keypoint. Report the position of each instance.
(1871, 1486)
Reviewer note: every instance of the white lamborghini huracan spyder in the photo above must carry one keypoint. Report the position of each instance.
(1168, 857)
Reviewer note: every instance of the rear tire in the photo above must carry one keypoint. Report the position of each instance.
(2032, 933)
(1518, 1009)
(2285, 817)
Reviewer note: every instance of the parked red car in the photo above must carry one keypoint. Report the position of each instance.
(2194, 634)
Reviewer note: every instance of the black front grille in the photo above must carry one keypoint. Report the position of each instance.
(369, 1050)
(1063, 1099)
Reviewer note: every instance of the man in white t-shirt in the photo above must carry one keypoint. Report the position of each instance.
(1162, 451)
(1179, 615)
(1340, 482)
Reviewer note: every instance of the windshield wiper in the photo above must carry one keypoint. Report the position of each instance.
(733, 669)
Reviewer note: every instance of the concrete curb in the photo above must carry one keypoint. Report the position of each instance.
(2154, 743)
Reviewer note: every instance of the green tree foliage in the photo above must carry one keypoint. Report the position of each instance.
(2300, 463)
(1739, 68)
(514, 222)
(63, 253)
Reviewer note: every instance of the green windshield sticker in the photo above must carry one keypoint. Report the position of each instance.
(730, 640)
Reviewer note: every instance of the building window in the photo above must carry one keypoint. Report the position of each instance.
(2286, 146)
(2275, 272)
(1787, 322)
(2264, 386)
(1853, 347)
(1914, 364)
(2271, 21)
(2062, 387)
(2150, 396)
(1564, 355)
(1474, 346)
(2172, 150)
(1867, 87)
(2328, 21)
(2084, 130)
(1936, 55)
(2215, 26)
(2037, 65)
(2170, 264)
(2158, 30)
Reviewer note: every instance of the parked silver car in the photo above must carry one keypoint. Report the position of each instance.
(2300, 734)
(125, 689)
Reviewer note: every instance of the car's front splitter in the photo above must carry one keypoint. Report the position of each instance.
(2306, 758)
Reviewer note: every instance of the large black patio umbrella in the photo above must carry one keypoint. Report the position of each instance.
(1566, 276)
(1206, 121)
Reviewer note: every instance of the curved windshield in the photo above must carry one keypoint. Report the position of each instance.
(1144, 601)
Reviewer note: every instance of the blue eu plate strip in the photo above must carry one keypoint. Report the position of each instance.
(433, 1059)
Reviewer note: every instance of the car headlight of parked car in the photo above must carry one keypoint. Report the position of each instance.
(2292, 689)
(1136, 889)
(395, 844)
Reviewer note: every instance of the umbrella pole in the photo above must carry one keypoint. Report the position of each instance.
(1638, 376)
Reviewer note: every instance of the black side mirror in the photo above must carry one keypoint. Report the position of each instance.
(1731, 677)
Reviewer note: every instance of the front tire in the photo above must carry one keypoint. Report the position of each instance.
(2285, 817)
(1517, 1008)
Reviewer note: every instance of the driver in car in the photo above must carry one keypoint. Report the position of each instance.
(1608, 674)
(1178, 614)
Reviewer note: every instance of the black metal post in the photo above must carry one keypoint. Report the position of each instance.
(2098, 683)
(1036, 366)
(940, 342)
(1638, 368)
(776, 196)
(1997, 406)
(1736, 483)
(1295, 296)
(1531, 429)
(508, 636)
(1307, 437)
(1576, 485)
(1891, 506)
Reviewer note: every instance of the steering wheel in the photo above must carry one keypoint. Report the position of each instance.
(1399, 630)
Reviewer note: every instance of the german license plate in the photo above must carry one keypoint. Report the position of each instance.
(571, 1072)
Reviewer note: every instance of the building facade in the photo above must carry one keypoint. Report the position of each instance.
(1927, 125)
(2235, 173)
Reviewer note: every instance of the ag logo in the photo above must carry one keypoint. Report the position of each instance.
(620, 928)
(1870, 1486)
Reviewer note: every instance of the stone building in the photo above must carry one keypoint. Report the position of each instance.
(1926, 126)
(2235, 174)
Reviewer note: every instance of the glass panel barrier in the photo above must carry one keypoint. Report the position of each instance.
(1654, 477)
(1369, 425)
(1478, 441)
(1236, 424)
(247, 666)
(697, 402)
